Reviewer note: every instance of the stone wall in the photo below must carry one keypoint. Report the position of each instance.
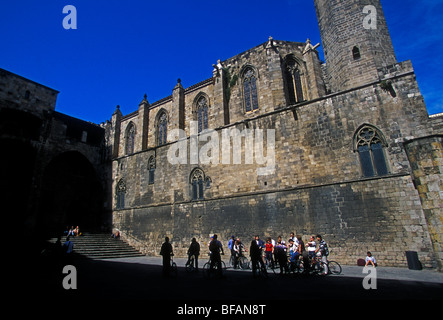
(317, 185)
(426, 157)
(353, 217)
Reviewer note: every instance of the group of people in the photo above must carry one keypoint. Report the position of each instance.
(269, 252)
(74, 232)
(260, 251)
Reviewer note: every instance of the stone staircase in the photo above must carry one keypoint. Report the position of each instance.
(100, 246)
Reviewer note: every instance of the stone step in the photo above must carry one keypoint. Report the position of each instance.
(100, 246)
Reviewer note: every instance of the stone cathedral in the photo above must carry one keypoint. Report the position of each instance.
(274, 141)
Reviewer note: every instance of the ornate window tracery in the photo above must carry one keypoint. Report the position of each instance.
(120, 192)
(370, 146)
(293, 81)
(250, 90)
(162, 128)
(197, 180)
(202, 113)
(130, 139)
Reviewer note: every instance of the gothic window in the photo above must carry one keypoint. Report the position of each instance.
(250, 90)
(151, 169)
(202, 113)
(370, 146)
(130, 139)
(293, 81)
(121, 191)
(356, 53)
(197, 180)
(162, 128)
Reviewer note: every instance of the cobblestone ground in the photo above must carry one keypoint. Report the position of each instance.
(141, 278)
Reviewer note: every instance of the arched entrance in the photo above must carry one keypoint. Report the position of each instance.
(71, 195)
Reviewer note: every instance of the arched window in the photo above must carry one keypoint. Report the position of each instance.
(130, 139)
(162, 128)
(151, 169)
(202, 113)
(370, 144)
(197, 180)
(356, 53)
(293, 81)
(120, 192)
(250, 90)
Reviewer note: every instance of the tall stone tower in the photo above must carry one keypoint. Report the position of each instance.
(356, 41)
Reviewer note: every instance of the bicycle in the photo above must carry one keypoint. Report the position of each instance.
(173, 270)
(259, 269)
(211, 272)
(189, 267)
(334, 267)
(296, 266)
(242, 262)
(319, 266)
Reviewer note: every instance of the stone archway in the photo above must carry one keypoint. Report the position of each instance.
(71, 195)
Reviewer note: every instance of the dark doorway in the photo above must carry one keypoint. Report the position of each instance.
(72, 195)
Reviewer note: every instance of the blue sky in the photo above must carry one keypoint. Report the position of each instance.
(124, 49)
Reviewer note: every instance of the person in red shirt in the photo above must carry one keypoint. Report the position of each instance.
(269, 250)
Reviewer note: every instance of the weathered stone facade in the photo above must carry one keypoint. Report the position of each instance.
(52, 167)
(314, 178)
(273, 142)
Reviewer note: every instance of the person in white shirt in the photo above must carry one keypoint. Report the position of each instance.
(370, 260)
(312, 246)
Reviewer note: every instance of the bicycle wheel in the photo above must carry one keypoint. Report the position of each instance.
(244, 263)
(334, 267)
(190, 266)
(300, 266)
(319, 267)
(174, 269)
(206, 269)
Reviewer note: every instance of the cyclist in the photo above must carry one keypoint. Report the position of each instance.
(323, 252)
(194, 250)
(293, 250)
(215, 247)
(312, 246)
(236, 252)
(231, 243)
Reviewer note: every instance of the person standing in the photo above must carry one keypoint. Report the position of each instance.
(166, 252)
(323, 252)
(269, 251)
(194, 250)
(216, 249)
(255, 253)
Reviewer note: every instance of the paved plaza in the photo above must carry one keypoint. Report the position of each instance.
(141, 278)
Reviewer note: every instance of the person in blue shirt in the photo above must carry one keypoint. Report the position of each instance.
(68, 246)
